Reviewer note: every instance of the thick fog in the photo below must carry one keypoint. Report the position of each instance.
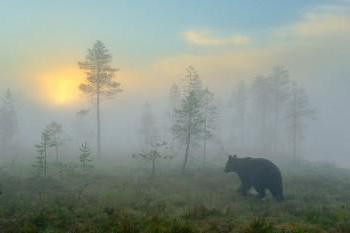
(325, 136)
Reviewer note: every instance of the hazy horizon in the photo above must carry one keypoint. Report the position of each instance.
(152, 42)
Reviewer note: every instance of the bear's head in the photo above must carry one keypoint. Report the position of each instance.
(231, 164)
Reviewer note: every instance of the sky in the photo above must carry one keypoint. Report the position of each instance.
(153, 41)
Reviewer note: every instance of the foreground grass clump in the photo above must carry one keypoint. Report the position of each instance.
(118, 199)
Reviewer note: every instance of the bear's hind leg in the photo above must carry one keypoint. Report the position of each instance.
(277, 195)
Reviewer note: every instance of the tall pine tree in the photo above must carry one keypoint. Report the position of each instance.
(100, 80)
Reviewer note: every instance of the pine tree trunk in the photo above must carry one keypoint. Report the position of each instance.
(294, 147)
(45, 164)
(204, 151)
(205, 139)
(98, 123)
(243, 132)
(56, 151)
(187, 151)
(295, 128)
(153, 167)
(294, 139)
(275, 129)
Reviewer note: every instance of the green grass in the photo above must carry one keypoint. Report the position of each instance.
(125, 199)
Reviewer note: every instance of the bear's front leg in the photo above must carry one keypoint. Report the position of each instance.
(261, 191)
(244, 188)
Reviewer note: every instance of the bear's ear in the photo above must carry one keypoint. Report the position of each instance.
(235, 156)
(230, 157)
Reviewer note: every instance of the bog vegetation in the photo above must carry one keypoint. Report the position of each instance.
(126, 198)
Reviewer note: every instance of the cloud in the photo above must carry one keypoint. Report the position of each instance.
(324, 21)
(323, 24)
(312, 48)
(206, 38)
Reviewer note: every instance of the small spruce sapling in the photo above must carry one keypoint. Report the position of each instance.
(85, 156)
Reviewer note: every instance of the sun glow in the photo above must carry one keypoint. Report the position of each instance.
(61, 87)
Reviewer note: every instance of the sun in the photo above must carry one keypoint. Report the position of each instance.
(61, 87)
(64, 93)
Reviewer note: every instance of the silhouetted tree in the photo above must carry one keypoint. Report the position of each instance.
(148, 126)
(189, 115)
(100, 80)
(209, 119)
(261, 91)
(174, 101)
(238, 104)
(42, 148)
(280, 92)
(8, 122)
(82, 126)
(298, 111)
(55, 135)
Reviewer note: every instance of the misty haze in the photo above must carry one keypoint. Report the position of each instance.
(175, 116)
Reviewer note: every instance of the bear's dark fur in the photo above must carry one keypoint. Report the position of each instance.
(259, 173)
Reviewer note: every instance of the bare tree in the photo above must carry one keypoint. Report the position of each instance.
(100, 80)
(189, 116)
(153, 154)
(298, 111)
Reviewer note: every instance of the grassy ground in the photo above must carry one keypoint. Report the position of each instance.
(124, 199)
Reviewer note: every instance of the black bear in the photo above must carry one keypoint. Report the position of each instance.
(259, 173)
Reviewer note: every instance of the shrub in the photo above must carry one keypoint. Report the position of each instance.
(260, 225)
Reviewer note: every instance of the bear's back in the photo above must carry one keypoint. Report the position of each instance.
(257, 166)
